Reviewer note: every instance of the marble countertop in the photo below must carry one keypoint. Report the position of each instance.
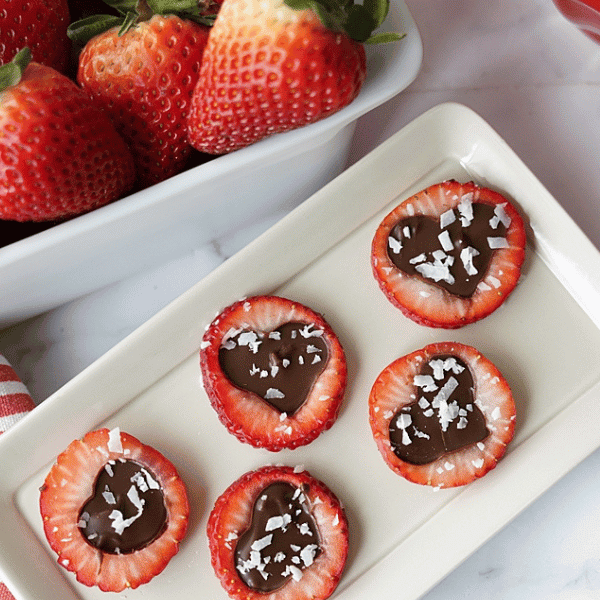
(536, 80)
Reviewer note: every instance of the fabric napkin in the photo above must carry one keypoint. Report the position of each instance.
(15, 403)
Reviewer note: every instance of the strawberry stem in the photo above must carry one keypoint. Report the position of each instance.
(11, 73)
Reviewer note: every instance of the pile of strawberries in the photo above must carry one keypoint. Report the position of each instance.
(101, 99)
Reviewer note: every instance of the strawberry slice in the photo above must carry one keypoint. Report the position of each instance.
(277, 533)
(442, 415)
(449, 255)
(114, 510)
(274, 372)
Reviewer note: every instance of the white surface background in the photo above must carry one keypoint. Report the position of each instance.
(536, 80)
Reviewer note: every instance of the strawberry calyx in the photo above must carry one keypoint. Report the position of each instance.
(11, 72)
(132, 12)
(357, 21)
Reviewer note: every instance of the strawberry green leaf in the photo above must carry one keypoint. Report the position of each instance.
(11, 73)
(185, 9)
(123, 6)
(164, 7)
(331, 13)
(84, 30)
(360, 23)
(385, 37)
(378, 9)
(134, 11)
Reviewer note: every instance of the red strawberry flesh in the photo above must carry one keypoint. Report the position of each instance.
(233, 517)
(449, 255)
(70, 486)
(260, 420)
(408, 424)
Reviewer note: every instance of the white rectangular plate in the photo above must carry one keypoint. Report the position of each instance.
(404, 537)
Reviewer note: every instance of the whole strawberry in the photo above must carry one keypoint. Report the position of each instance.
(59, 153)
(41, 25)
(142, 70)
(275, 65)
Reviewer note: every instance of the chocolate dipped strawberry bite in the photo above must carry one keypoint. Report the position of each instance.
(442, 415)
(274, 371)
(114, 510)
(449, 255)
(277, 533)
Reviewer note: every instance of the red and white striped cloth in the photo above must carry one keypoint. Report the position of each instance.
(15, 403)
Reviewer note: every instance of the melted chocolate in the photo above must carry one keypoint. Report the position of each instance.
(280, 367)
(443, 419)
(127, 510)
(453, 251)
(282, 539)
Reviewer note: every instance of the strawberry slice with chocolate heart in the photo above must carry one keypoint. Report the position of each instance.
(449, 255)
(442, 415)
(274, 371)
(277, 533)
(114, 510)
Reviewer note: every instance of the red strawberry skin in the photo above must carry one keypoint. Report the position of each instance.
(144, 79)
(267, 71)
(60, 156)
(246, 415)
(394, 388)
(68, 486)
(231, 516)
(41, 25)
(426, 303)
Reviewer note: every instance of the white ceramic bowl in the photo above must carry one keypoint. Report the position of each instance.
(167, 220)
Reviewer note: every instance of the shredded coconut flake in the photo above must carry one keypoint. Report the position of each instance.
(114, 441)
(445, 241)
(394, 244)
(497, 242)
(465, 209)
(425, 382)
(109, 497)
(466, 256)
(262, 543)
(278, 522)
(500, 216)
(418, 259)
(447, 218)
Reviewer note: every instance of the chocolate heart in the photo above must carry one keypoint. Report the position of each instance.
(443, 419)
(282, 539)
(280, 366)
(126, 511)
(453, 251)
